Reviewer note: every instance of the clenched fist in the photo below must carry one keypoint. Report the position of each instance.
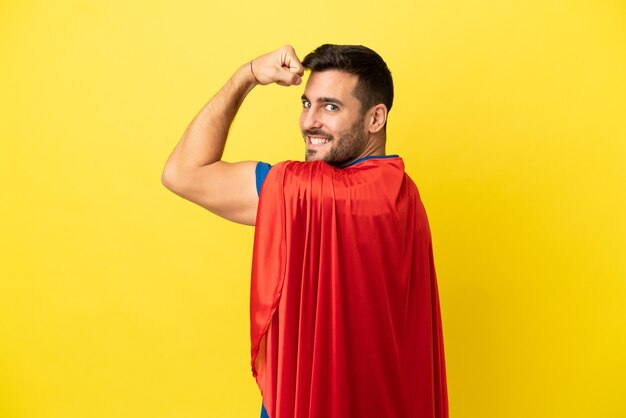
(281, 67)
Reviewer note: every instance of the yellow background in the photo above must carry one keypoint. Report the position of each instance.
(119, 299)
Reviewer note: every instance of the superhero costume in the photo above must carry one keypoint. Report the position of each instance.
(345, 318)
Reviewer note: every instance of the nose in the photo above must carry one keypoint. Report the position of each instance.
(309, 119)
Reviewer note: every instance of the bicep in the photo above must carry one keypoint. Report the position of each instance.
(226, 189)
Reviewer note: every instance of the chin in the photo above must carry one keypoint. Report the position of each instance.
(313, 156)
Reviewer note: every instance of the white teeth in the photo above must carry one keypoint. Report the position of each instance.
(318, 141)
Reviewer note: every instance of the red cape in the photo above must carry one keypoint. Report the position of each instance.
(344, 307)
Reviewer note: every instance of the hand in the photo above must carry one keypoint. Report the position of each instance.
(281, 67)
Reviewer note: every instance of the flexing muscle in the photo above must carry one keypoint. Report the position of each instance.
(195, 170)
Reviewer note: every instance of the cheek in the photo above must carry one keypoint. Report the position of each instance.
(332, 125)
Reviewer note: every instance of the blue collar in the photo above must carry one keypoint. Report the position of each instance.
(370, 157)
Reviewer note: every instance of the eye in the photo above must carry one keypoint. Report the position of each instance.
(306, 104)
(331, 107)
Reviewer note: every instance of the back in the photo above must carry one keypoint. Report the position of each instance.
(344, 308)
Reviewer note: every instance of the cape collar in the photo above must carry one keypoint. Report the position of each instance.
(369, 157)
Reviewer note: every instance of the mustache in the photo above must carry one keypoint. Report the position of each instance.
(317, 132)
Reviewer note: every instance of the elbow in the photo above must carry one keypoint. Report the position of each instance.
(170, 178)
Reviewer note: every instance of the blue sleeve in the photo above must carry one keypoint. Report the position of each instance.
(261, 172)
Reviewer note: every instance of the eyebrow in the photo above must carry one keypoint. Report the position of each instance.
(324, 100)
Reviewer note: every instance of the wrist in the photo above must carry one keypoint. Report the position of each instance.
(242, 79)
(256, 80)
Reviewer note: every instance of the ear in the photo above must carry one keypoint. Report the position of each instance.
(377, 118)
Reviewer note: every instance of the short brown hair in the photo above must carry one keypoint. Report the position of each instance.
(374, 85)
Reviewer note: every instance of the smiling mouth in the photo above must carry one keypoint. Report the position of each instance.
(316, 140)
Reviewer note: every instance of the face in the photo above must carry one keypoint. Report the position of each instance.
(332, 122)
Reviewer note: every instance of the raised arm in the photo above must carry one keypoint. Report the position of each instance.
(195, 170)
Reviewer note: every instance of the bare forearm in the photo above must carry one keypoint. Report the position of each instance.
(204, 139)
(194, 169)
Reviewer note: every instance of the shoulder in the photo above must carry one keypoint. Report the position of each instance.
(315, 178)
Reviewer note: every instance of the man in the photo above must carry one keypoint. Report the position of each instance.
(345, 318)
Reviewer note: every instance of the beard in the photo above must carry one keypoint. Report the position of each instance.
(344, 149)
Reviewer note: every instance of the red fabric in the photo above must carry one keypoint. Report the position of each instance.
(345, 319)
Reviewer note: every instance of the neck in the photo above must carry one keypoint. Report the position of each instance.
(376, 148)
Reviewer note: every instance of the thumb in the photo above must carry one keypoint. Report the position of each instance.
(288, 77)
